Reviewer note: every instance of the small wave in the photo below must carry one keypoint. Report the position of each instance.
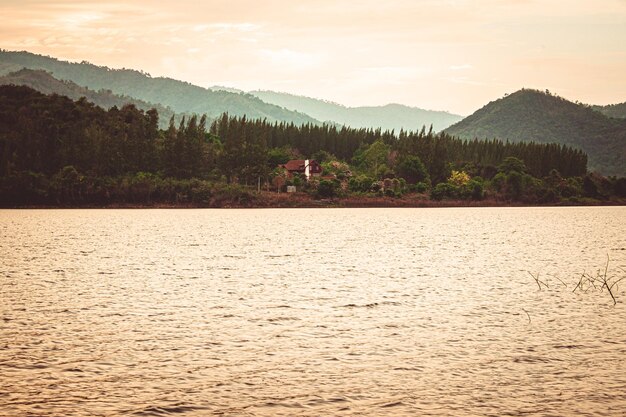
(323, 401)
(372, 305)
(164, 411)
(393, 404)
(534, 359)
(31, 366)
(411, 369)
(275, 319)
(283, 404)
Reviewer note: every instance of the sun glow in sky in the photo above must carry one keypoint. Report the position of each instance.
(453, 55)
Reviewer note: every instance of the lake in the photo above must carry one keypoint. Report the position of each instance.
(305, 312)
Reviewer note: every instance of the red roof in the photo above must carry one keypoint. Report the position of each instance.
(298, 165)
(295, 165)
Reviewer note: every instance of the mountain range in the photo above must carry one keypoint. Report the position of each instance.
(180, 96)
(526, 115)
(183, 97)
(388, 117)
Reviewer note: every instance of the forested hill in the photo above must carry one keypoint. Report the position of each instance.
(531, 115)
(181, 97)
(44, 82)
(391, 116)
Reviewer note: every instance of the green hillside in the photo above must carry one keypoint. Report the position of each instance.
(181, 97)
(391, 116)
(531, 115)
(44, 82)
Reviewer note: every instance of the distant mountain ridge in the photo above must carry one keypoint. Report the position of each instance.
(180, 96)
(617, 111)
(531, 115)
(228, 89)
(44, 82)
(388, 117)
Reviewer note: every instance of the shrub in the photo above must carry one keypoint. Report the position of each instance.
(458, 178)
(377, 186)
(201, 192)
(619, 187)
(420, 187)
(475, 189)
(140, 187)
(24, 187)
(412, 170)
(327, 189)
(443, 190)
(360, 184)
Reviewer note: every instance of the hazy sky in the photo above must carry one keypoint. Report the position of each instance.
(453, 55)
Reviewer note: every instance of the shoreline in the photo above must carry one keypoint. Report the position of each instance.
(273, 201)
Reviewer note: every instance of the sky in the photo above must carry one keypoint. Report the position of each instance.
(452, 55)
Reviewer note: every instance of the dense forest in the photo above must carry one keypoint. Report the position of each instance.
(531, 115)
(58, 151)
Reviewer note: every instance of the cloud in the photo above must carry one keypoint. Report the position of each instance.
(289, 59)
(389, 74)
(80, 19)
(235, 27)
(461, 67)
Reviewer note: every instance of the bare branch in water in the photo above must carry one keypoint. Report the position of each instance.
(537, 280)
(587, 282)
(605, 282)
(562, 282)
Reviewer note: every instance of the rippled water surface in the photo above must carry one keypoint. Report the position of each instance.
(311, 312)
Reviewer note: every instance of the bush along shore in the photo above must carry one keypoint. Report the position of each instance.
(71, 189)
(56, 152)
